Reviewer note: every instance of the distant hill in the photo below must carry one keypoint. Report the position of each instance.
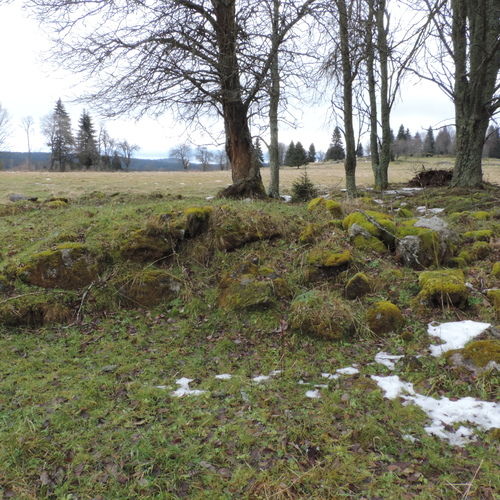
(40, 161)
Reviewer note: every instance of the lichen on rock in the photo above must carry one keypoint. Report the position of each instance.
(477, 356)
(443, 287)
(384, 317)
(321, 314)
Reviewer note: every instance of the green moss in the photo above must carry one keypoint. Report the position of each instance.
(332, 206)
(459, 262)
(481, 235)
(329, 259)
(315, 203)
(384, 317)
(321, 314)
(466, 256)
(69, 266)
(429, 247)
(4, 284)
(404, 213)
(139, 246)
(481, 215)
(480, 250)
(443, 287)
(56, 204)
(494, 297)
(383, 228)
(147, 288)
(309, 233)
(357, 286)
(368, 244)
(479, 352)
(495, 270)
(197, 220)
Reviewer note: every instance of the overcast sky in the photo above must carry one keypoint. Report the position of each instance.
(30, 86)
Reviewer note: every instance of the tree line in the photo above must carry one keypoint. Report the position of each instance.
(246, 61)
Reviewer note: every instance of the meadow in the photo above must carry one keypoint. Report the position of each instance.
(162, 347)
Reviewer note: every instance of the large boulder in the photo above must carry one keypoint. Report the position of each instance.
(68, 266)
(384, 317)
(443, 287)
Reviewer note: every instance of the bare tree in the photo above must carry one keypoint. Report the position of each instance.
(183, 153)
(27, 126)
(107, 147)
(463, 59)
(4, 126)
(221, 160)
(204, 156)
(126, 151)
(193, 57)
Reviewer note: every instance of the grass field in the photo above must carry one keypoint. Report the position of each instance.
(200, 184)
(90, 372)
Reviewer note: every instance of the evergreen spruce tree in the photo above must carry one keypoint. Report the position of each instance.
(429, 143)
(258, 151)
(86, 144)
(311, 154)
(116, 161)
(290, 155)
(300, 155)
(57, 128)
(359, 150)
(336, 150)
(401, 134)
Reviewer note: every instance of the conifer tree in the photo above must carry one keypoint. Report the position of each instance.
(290, 155)
(336, 150)
(360, 151)
(258, 151)
(57, 129)
(311, 154)
(86, 144)
(300, 155)
(429, 143)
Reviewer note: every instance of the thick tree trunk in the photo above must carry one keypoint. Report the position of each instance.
(274, 97)
(385, 111)
(347, 79)
(370, 70)
(245, 168)
(475, 31)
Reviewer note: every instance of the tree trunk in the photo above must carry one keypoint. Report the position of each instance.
(475, 31)
(245, 169)
(347, 80)
(274, 97)
(370, 70)
(385, 112)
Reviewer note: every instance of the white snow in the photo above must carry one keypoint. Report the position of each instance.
(455, 334)
(286, 198)
(386, 359)
(330, 376)
(208, 198)
(160, 386)
(184, 389)
(349, 370)
(424, 210)
(313, 394)
(444, 412)
(223, 376)
(262, 378)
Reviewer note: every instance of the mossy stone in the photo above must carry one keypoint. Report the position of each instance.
(481, 235)
(148, 288)
(494, 297)
(37, 310)
(257, 287)
(309, 233)
(404, 213)
(197, 220)
(384, 317)
(378, 224)
(478, 356)
(332, 206)
(419, 247)
(495, 270)
(56, 204)
(321, 314)
(457, 262)
(443, 287)
(370, 244)
(69, 266)
(324, 258)
(357, 286)
(481, 215)
(480, 250)
(140, 246)
(466, 256)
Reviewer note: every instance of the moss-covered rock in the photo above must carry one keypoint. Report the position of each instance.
(252, 287)
(481, 215)
(443, 287)
(480, 235)
(197, 220)
(478, 356)
(147, 288)
(332, 206)
(404, 213)
(141, 246)
(68, 266)
(455, 262)
(33, 310)
(384, 317)
(369, 244)
(495, 270)
(466, 256)
(377, 224)
(56, 204)
(309, 233)
(357, 286)
(321, 314)
(480, 250)
(326, 263)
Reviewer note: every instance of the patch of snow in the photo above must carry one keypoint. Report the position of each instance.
(313, 394)
(455, 334)
(320, 386)
(184, 389)
(262, 378)
(223, 376)
(443, 412)
(330, 376)
(350, 370)
(182, 183)
(410, 438)
(160, 386)
(386, 359)
(286, 198)
(208, 198)
(411, 189)
(379, 202)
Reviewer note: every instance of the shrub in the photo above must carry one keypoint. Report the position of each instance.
(303, 189)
